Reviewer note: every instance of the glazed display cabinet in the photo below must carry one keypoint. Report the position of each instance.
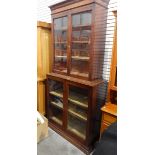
(74, 85)
(78, 34)
(72, 109)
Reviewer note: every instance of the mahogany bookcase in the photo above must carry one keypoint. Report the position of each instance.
(75, 81)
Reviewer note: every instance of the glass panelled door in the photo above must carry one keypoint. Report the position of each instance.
(60, 44)
(56, 102)
(77, 111)
(81, 41)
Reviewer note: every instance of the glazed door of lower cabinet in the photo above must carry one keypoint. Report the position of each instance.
(77, 111)
(55, 102)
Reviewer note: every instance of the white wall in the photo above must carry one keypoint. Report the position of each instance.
(44, 14)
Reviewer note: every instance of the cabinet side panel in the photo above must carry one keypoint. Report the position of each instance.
(99, 38)
(100, 101)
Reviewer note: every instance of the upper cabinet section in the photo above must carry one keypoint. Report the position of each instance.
(78, 38)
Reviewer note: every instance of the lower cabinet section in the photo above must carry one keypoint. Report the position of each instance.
(71, 110)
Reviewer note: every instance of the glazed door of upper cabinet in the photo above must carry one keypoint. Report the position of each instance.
(81, 43)
(60, 43)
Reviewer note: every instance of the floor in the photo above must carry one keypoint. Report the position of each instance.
(54, 144)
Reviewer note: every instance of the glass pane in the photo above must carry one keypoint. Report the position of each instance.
(64, 22)
(58, 23)
(81, 41)
(55, 101)
(76, 127)
(76, 35)
(86, 18)
(85, 35)
(76, 20)
(80, 67)
(77, 111)
(60, 36)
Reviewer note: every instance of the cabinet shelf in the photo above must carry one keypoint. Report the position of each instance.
(60, 106)
(81, 42)
(80, 58)
(76, 129)
(79, 74)
(62, 42)
(79, 116)
(56, 119)
(78, 99)
(58, 93)
(78, 103)
(61, 56)
(61, 70)
(83, 27)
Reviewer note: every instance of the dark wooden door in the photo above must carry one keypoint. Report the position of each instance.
(77, 110)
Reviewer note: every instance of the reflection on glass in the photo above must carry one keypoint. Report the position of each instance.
(64, 22)
(81, 19)
(78, 95)
(56, 115)
(85, 35)
(76, 20)
(77, 111)
(80, 68)
(55, 101)
(86, 19)
(76, 126)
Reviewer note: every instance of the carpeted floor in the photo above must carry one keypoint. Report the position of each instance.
(54, 144)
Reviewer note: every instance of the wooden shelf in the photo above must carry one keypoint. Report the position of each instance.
(60, 106)
(58, 93)
(79, 74)
(61, 56)
(78, 49)
(81, 42)
(79, 116)
(83, 27)
(56, 119)
(62, 42)
(80, 58)
(63, 71)
(78, 103)
(76, 129)
(78, 99)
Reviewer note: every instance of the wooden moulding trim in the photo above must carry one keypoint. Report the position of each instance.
(72, 4)
(80, 81)
(44, 25)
